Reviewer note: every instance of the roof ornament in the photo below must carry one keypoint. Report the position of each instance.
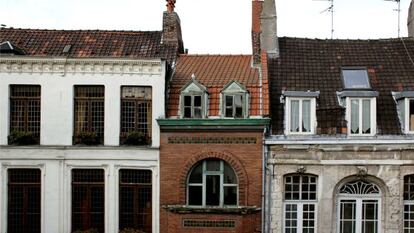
(170, 5)
(193, 77)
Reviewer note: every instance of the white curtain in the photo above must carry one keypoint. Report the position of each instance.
(294, 116)
(306, 106)
(354, 116)
(366, 116)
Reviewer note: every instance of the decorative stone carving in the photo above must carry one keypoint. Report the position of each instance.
(301, 169)
(362, 172)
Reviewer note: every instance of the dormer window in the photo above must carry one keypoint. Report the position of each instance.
(361, 116)
(235, 101)
(355, 78)
(193, 100)
(9, 48)
(300, 115)
(405, 108)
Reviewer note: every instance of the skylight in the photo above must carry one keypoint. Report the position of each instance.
(355, 79)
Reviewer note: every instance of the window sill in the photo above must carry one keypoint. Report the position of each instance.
(185, 209)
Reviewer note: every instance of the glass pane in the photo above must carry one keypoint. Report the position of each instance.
(369, 216)
(229, 176)
(366, 116)
(229, 101)
(411, 116)
(238, 100)
(409, 218)
(239, 112)
(197, 112)
(294, 116)
(229, 106)
(306, 117)
(355, 79)
(187, 101)
(196, 176)
(291, 218)
(347, 216)
(213, 190)
(308, 218)
(187, 112)
(230, 195)
(213, 165)
(197, 101)
(354, 116)
(195, 195)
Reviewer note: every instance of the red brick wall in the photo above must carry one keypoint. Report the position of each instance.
(176, 160)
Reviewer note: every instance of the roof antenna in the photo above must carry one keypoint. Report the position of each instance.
(331, 10)
(399, 13)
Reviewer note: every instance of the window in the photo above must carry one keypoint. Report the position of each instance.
(235, 101)
(234, 106)
(89, 114)
(355, 79)
(136, 115)
(135, 206)
(88, 199)
(359, 208)
(24, 198)
(300, 204)
(212, 182)
(409, 204)
(24, 114)
(406, 108)
(361, 116)
(192, 106)
(301, 115)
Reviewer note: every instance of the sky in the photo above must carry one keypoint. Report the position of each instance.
(213, 26)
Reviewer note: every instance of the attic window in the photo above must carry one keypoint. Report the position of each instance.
(355, 79)
(7, 47)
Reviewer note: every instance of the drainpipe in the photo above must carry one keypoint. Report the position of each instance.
(264, 180)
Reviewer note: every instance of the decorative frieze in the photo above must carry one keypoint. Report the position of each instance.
(212, 140)
(79, 66)
(209, 223)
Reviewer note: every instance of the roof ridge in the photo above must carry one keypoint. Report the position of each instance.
(215, 55)
(345, 40)
(72, 30)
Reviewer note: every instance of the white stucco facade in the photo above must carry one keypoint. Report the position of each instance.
(56, 155)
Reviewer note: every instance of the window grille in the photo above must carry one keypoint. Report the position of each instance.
(136, 113)
(89, 112)
(25, 109)
(24, 198)
(409, 204)
(135, 199)
(88, 199)
(359, 187)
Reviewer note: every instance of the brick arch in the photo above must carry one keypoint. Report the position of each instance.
(231, 159)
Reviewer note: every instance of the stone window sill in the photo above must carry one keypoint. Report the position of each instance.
(185, 209)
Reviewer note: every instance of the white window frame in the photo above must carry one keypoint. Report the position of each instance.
(358, 212)
(204, 183)
(407, 115)
(407, 203)
(244, 104)
(192, 95)
(373, 118)
(313, 121)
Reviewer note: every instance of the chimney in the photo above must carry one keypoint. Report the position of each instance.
(410, 20)
(257, 7)
(171, 27)
(268, 38)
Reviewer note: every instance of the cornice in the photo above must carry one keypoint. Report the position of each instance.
(63, 66)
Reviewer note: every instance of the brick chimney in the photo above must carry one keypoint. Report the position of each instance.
(171, 27)
(410, 20)
(257, 7)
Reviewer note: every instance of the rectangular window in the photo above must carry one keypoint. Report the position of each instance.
(136, 115)
(193, 106)
(135, 195)
(301, 113)
(361, 116)
(234, 106)
(88, 200)
(89, 114)
(409, 204)
(411, 115)
(355, 79)
(24, 114)
(24, 200)
(300, 218)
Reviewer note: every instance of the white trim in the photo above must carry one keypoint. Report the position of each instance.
(407, 116)
(299, 214)
(373, 118)
(313, 121)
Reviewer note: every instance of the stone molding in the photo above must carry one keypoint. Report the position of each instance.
(63, 66)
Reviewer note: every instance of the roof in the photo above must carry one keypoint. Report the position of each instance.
(315, 65)
(215, 72)
(89, 43)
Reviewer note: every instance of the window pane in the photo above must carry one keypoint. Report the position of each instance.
(294, 116)
(229, 106)
(366, 116)
(411, 116)
(409, 188)
(354, 116)
(347, 216)
(195, 195)
(308, 218)
(229, 176)
(229, 101)
(197, 112)
(187, 101)
(369, 216)
(187, 112)
(355, 79)
(212, 190)
(213, 165)
(196, 176)
(230, 195)
(291, 217)
(306, 117)
(197, 101)
(409, 218)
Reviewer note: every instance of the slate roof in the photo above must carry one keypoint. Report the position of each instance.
(315, 65)
(214, 72)
(90, 43)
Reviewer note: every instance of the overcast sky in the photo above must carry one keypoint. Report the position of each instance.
(211, 26)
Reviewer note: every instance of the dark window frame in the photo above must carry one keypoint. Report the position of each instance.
(28, 101)
(30, 210)
(95, 130)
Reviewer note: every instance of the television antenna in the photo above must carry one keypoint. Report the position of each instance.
(330, 9)
(399, 13)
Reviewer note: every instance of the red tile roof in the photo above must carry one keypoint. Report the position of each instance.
(214, 72)
(89, 43)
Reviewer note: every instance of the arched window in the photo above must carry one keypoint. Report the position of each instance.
(359, 207)
(212, 182)
(300, 203)
(409, 204)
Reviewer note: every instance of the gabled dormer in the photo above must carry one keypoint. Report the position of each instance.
(193, 100)
(9, 48)
(234, 101)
